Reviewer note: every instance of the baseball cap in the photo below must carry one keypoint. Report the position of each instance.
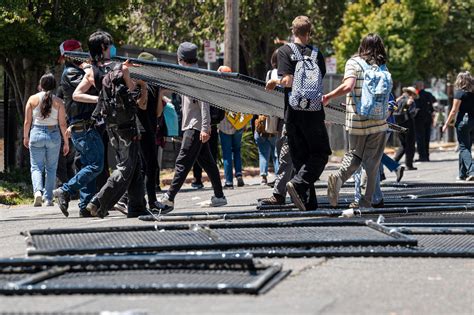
(187, 51)
(69, 45)
(146, 56)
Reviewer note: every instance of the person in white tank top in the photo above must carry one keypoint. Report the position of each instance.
(45, 118)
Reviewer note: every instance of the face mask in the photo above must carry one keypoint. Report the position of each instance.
(113, 51)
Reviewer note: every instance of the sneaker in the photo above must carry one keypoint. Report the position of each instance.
(83, 213)
(62, 198)
(460, 179)
(38, 199)
(94, 208)
(264, 180)
(298, 200)
(470, 178)
(399, 171)
(228, 186)
(379, 204)
(197, 185)
(274, 200)
(48, 203)
(164, 205)
(410, 168)
(121, 206)
(214, 202)
(334, 186)
(240, 181)
(354, 205)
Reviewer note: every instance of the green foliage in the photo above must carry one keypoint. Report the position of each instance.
(165, 24)
(34, 30)
(17, 181)
(249, 149)
(423, 38)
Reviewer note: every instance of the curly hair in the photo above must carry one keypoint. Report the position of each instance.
(464, 81)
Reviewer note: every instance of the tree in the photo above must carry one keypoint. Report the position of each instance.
(165, 24)
(31, 32)
(423, 38)
(411, 29)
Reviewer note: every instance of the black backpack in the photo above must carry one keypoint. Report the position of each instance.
(116, 105)
(217, 115)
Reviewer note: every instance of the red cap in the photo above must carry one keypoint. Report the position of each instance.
(69, 45)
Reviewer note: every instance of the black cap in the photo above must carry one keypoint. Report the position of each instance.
(187, 51)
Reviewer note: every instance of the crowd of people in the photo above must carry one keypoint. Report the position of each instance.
(97, 103)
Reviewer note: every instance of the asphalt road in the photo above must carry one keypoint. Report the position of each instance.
(315, 286)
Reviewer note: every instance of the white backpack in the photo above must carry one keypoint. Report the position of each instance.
(307, 90)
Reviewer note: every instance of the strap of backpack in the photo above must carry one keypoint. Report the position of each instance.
(296, 51)
(362, 63)
(314, 54)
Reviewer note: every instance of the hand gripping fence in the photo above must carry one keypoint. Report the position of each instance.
(229, 91)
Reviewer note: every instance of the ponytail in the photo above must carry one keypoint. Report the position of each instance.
(47, 84)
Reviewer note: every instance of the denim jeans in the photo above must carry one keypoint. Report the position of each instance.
(464, 129)
(389, 163)
(377, 196)
(231, 145)
(45, 143)
(89, 145)
(266, 149)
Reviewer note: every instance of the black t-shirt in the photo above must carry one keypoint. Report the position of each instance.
(467, 104)
(70, 79)
(286, 65)
(147, 116)
(424, 104)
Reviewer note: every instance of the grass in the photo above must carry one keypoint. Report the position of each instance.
(15, 187)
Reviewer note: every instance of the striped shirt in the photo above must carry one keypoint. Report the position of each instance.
(356, 124)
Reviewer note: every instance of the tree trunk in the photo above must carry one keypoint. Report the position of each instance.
(23, 76)
(231, 35)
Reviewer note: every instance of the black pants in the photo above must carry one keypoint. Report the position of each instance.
(309, 148)
(102, 178)
(149, 152)
(423, 133)
(192, 150)
(214, 146)
(407, 141)
(126, 177)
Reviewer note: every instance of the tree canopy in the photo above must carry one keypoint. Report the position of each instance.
(165, 24)
(423, 38)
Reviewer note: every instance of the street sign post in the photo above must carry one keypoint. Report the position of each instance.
(210, 52)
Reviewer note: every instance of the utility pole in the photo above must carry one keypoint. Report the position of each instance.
(231, 35)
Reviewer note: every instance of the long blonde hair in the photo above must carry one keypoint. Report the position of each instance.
(464, 82)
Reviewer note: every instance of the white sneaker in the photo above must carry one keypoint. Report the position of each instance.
(334, 186)
(214, 202)
(49, 203)
(38, 199)
(164, 205)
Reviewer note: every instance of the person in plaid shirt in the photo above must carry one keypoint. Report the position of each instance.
(366, 136)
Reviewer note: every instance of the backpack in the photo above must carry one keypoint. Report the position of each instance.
(307, 90)
(375, 93)
(171, 120)
(217, 115)
(116, 105)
